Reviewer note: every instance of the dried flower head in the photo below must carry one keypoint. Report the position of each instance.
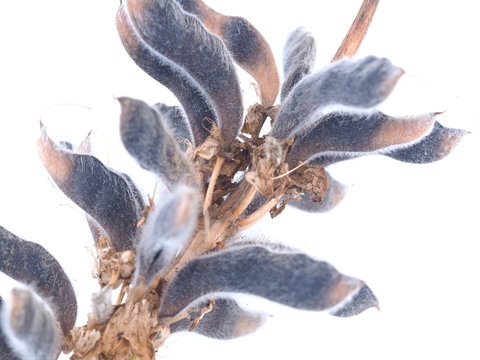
(177, 258)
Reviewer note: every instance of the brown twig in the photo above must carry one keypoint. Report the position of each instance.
(252, 219)
(358, 30)
(211, 186)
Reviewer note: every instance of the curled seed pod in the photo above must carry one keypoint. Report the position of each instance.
(246, 45)
(146, 137)
(30, 326)
(298, 59)
(291, 279)
(335, 193)
(193, 98)
(31, 264)
(6, 351)
(341, 132)
(178, 124)
(108, 197)
(360, 83)
(433, 147)
(182, 40)
(361, 301)
(226, 320)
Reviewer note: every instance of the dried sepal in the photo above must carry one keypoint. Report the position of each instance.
(30, 326)
(224, 320)
(110, 198)
(31, 264)
(292, 279)
(358, 133)
(298, 59)
(184, 43)
(362, 83)
(176, 120)
(168, 230)
(147, 138)
(245, 43)
(334, 194)
(364, 299)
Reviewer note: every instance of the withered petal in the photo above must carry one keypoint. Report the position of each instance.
(31, 264)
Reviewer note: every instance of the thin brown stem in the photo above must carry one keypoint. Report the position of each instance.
(358, 30)
(211, 186)
(257, 215)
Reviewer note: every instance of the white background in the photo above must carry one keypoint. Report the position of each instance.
(410, 231)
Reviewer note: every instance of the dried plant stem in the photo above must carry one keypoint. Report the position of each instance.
(256, 216)
(358, 30)
(211, 186)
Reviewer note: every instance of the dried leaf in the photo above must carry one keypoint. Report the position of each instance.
(342, 132)
(108, 197)
(361, 301)
(177, 123)
(292, 279)
(146, 137)
(30, 326)
(226, 320)
(245, 43)
(298, 59)
(167, 231)
(31, 264)
(181, 40)
(360, 83)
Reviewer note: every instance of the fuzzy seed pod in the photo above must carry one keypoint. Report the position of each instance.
(177, 122)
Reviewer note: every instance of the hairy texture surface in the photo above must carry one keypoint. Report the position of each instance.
(227, 320)
(146, 137)
(30, 326)
(177, 122)
(198, 107)
(360, 302)
(298, 59)
(360, 83)
(294, 279)
(168, 230)
(108, 197)
(5, 351)
(183, 40)
(246, 45)
(341, 132)
(31, 264)
(335, 193)
(433, 147)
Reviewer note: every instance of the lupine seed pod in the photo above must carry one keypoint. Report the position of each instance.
(335, 193)
(347, 132)
(292, 279)
(360, 83)
(361, 301)
(226, 320)
(31, 264)
(147, 138)
(198, 108)
(298, 59)
(167, 231)
(107, 196)
(6, 351)
(247, 46)
(181, 39)
(30, 327)
(177, 122)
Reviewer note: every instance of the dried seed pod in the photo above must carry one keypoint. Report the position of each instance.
(107, 196)
(167, 231)
(360, 83)
(30, 327)
(346, 132)
(6, 351)
(361, 301)
(178, 124)
(335, 193)
(31, 264)
(433, 147)
(182, 41)
(226, 320)
(292, 279)
(146, 137)
(298, 59)
(245, 43)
